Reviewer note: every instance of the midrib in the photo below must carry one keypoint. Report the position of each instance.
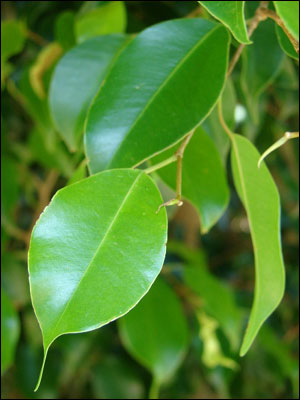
(96, 253)
(156, 93)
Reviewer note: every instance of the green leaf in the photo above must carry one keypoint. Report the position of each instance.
(231, 15)
(203, 177)
(94, 21)
(155, 331)
(95, 252)
(159, 88)
(218, 299)
(288, 11)
(64, 30)
(10, 331)
(80, 173)
(13, 37)
(261, 64)
(259, 195)
(285, 43)
(212, 125)
(76, 80)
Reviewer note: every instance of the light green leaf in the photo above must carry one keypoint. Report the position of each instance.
(259, 195)
(95, 252)
(80, 173)
(231, 15)
(13, 37)
(285, 43)
(64, 29)
(288, 11)
(261, 64)
(76, 80)
(157, 91)
(96, 20)
(203, 177)
(155, 331)
(10, 331)
(218, 299)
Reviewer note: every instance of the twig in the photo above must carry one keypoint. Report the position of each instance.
(36, 38)
(194, 13)
(222, 120)
(162, 164)
(258, 17)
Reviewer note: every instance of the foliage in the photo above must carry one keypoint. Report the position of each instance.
(119, 163)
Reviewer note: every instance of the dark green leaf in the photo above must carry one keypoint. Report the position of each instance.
(203, 177)
(285, 43)
(10, 331)
(95, 251)
(259, 195)
(155, 331)
(64, 30)
(76, 80)
(157, 91)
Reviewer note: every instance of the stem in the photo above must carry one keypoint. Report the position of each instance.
(161, 164)
(222, 120)
(258, 17)
(154, 389)
(36, 38)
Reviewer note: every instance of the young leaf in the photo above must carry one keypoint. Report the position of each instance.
(288, 11)
(155, 331)
(93, 20)
(64, 29)
(261, 64)
(285, 43)
(10, 331)
(259, 195)
(231, 15)
(203, 177)
(95, 252)
(76, 80)
(162, 85)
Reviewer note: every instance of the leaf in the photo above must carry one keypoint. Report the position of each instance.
(13, 37)
(288, 11)
(155, 332)
(76, 80)
(160, 88)
(203, 177)
(285, 43)
(212, 125)
(95, 252)
(94, 21)
(10, 332)
(64, 29)
(80, 173)
(231, 15)
(259, 195)
(261, 64)
(218, 299)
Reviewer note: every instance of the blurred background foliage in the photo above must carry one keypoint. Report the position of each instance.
(213, 275)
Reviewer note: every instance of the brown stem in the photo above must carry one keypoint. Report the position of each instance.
(258, 17)
(36, 38)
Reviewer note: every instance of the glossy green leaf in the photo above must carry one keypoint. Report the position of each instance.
(13, 37)
(218, 299)
(231, 15)
(94, 20)
(76, 80)
(260, 197)
(157, 91)
(285, 43)
(95, 251)
(261, 64)
(212, 125)
(203, 177)
(155, 331)
(288, 11)
(64, 29)
(10, 331)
